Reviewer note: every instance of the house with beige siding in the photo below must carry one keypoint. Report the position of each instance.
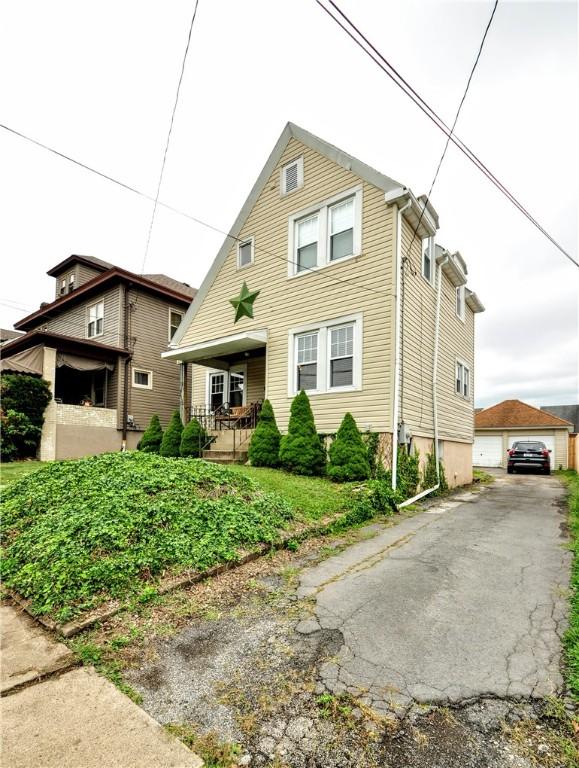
(99, 344)
(331, 281)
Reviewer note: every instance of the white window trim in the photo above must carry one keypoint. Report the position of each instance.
(323, 232)
(431, 247)
(142, 386)
(299, 161)
(460, 315)
(323, 371)
(178, 312)
(87, 319)
(465, 366)
(245, 241)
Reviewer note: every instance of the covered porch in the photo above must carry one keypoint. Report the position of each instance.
(229, 380)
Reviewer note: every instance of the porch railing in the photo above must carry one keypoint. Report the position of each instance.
(239, 420)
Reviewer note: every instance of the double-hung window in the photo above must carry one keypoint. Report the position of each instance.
(342, 356)
(341, 229)
(95, 324)
(460, 302)
(307, 236)
(427, 260)
(71, 281)
(307, 361)
(326, 357)
(174, 322)
(462, 383)
(326, 233)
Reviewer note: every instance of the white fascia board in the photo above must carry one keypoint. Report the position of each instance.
(290, 131)
(225, 345)
(474, 302)
(453, 271)
(416, 213)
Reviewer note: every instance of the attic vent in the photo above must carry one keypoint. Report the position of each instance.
(292, 176)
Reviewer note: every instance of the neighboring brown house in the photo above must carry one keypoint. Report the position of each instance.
(7, 335)
(498, 427)
(99, 345)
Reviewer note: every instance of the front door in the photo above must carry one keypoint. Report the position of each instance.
(236, 385)
(216, 390)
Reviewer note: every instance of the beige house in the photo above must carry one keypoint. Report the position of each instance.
(341, 299)
(99, 346)
(500, 425)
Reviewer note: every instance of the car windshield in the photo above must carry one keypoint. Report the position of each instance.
(529, 446)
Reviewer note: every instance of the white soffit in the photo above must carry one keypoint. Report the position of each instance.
(226, 345)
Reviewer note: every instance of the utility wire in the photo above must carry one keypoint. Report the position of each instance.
(474, 66)
(169, 135)
(361, 41)
(322, 273)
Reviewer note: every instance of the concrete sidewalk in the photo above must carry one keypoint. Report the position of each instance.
(75, 719)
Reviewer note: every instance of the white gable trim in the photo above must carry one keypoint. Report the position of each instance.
(290, 131)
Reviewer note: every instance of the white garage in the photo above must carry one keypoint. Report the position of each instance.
(498, 427)
(487, 451)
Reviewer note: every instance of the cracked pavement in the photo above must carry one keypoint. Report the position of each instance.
(464, 601)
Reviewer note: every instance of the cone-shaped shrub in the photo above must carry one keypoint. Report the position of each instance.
(152, 436)
(301, 450)
(264, 446)
(193, 439)
(171, 442)
(348, 454)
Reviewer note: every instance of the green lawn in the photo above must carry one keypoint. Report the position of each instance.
(14, 470)
(310, 497)
(571, 478)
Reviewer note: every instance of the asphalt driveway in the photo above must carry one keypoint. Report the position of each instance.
(464, 601)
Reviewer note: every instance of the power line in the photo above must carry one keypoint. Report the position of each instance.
(172, 208)
(474, 66)
(169, 135)
(378, 58)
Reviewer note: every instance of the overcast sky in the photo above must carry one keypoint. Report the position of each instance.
(97, 81)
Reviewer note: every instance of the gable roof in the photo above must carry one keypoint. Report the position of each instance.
(392, 188)
(568, 412)
(515, 413)
(96, 284)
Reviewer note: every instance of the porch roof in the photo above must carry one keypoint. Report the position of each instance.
(206, 352)
(62, 343)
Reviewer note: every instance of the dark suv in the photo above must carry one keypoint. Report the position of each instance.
(530, 455)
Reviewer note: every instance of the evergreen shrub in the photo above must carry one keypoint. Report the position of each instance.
(150, 442)
(171, 442)
(348, 454)
(301, 450)
(264, 445)
(193, 439)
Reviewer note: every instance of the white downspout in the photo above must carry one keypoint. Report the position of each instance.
(434, 384)
(397, 330)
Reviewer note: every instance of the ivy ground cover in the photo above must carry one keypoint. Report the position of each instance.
(80, 533)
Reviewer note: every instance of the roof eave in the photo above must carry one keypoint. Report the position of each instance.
(424, 220)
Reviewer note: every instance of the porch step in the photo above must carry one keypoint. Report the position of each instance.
(225, 457)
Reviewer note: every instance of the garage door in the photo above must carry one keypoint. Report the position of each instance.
(487, 451)
(549, 442)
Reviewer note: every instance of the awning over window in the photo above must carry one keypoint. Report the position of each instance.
(82, 363)
(28, 361)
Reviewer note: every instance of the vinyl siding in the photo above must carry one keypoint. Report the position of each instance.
(312, 297)
(73, 321)
(148, 330)
(82, 274)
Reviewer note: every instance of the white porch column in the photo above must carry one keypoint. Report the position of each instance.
(48, 438)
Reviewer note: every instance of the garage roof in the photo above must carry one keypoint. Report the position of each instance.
(515, 413)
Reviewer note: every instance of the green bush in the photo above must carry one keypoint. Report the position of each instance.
(408, 473)
(171, 442)
(301, 451)
(25, 394)
(193, 440)
(20, 437)
(150, 442)
(375, 497)
(79, 533)
(264, 445)
(348, 454)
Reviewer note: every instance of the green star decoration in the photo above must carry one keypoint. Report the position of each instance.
(243, 304)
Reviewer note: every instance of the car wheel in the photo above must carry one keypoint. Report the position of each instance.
(547, 471)
(510, 470)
